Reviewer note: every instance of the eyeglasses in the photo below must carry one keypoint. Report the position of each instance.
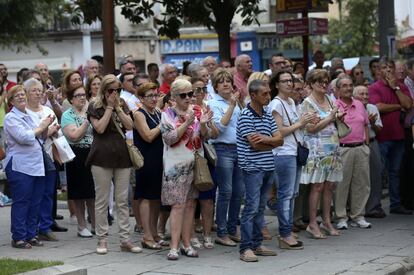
(79, 95)
(115, 90)
(200, 90)
(285, 81)
(152, 96)
(358, 73)
(323, 83)
(184, 95)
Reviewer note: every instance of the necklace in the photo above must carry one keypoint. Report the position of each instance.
(149, 115)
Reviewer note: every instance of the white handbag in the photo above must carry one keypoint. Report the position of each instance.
(63, 149)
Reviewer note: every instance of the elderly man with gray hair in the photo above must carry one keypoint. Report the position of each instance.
(244, 68)
(373, 207)
(168, 74)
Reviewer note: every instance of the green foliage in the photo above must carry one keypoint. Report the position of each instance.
(357, 34)
(12, 266)
(21, 21)
(216, 14)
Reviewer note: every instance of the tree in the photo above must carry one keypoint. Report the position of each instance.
(22, 22)
(213, 14)
(357, 34)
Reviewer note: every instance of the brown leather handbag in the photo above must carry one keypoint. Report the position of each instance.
(202, 177)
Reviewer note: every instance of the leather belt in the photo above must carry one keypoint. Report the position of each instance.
(351, 145)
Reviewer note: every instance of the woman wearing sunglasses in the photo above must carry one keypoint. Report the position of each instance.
(182, 132)
(109, 159)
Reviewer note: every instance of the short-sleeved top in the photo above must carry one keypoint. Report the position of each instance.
(289, 146)
(219, 107)
(108, 149)
(70, 117)
(251, 122)
(356, 117)
(372, 109)
(379, 92)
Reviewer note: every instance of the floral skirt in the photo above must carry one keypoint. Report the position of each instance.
(319, 169)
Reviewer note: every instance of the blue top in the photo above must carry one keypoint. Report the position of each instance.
(22, 146)
(70, 117)
(227, 134)
(249, 123)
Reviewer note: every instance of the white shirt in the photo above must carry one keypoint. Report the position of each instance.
(132, 101)
(289, 146)
(372, 109)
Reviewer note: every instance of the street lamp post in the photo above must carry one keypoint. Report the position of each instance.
(108, 35)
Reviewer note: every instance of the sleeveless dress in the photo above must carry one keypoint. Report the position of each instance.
(324, 161)
(149, 177)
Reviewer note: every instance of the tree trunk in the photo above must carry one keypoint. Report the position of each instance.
(223, 32)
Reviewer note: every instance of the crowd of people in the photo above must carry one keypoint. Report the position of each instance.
(272, 138)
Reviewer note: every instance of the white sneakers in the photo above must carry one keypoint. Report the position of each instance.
(361, 223)
(84, 233)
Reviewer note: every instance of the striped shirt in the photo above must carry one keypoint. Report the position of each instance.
(249, 123)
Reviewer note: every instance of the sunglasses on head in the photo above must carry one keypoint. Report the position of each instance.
(115, 90)
(184, 95)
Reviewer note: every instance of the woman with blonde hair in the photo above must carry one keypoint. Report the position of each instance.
(109, 159)
(182, 133)
(93, 84)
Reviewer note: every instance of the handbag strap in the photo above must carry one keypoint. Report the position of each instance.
(117, 126)
(290, 122)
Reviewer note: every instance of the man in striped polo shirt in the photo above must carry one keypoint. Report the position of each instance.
(257, 135)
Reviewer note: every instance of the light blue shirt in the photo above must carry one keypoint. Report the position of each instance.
(22, 146)
(227, 134)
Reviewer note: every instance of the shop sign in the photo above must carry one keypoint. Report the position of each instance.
(302, 26)
(189, 46)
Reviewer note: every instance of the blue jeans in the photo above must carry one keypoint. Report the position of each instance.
(257, 185)
(287, 188)
(392, 153)
(230, 190)
(46, 205)
(26, 193)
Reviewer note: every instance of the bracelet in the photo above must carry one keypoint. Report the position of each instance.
(109, 108)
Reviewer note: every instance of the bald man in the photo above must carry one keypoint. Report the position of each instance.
(244, 68)
(43, 70)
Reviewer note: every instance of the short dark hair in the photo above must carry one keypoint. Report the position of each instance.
(139, 76)
(151, 65)
(386, 60)
(372, 61)
(275, 79)
(275, 55)
(255, 85)
(70, 93)
(122, 77)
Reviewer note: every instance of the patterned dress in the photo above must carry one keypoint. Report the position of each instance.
(178, 158)
(324, 161)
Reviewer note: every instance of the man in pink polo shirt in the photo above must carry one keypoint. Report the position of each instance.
(390, 98)
(244, 68)
(355, 185)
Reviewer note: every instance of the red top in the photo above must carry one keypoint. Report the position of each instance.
(379, 92)
(165, 88)
(10, 84)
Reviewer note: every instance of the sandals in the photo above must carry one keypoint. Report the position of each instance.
(173, 254)
(319, 236)
(150, 244)
(35, 242)
(21, 244)
(189, 252)
(196, 243)
(162, 242)
(208, 243)
(128, 246)
(329, 232)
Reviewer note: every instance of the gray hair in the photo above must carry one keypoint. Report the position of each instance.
(359, 87)
(193, 68)
(340, 79)
(207, 58)
(239, 58)
(163, 67)
(255, 85)
(89, 62)
(28, 84)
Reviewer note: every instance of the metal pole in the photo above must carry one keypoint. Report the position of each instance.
(386, 24)
(305, 42)
(108, 35)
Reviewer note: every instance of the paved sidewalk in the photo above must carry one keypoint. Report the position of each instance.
(387, 248)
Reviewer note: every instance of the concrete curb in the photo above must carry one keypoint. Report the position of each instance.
(402, 267)
(58, 270)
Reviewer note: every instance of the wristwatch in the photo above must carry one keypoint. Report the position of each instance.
(397, 88)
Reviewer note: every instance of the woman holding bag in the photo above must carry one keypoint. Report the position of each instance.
(182, 133)
(289, 122)
(78, 132)
(109, 158)
(25, 168)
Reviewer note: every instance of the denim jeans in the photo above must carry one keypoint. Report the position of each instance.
(392, 153)
(26, 193)
(46, 205)
(257, 185)
(230, 190)
(287, 186)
